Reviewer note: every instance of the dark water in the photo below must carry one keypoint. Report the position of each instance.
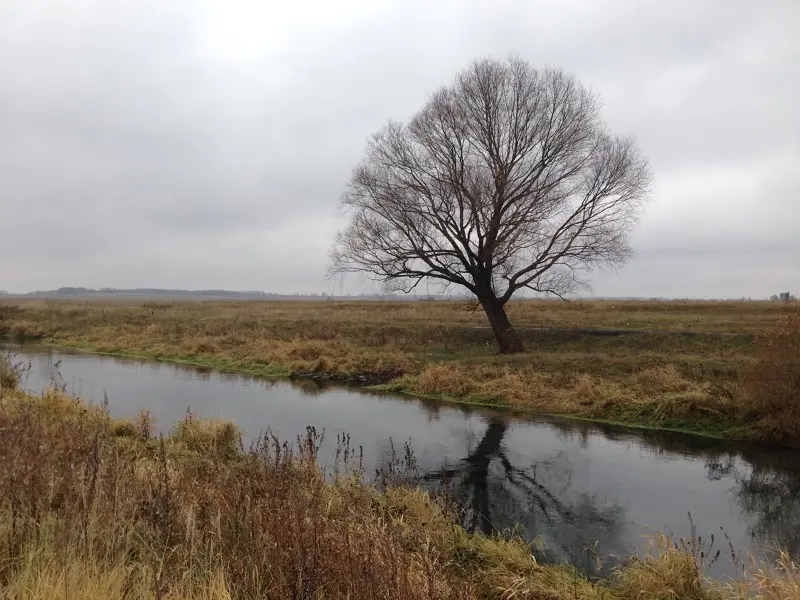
(572, 484)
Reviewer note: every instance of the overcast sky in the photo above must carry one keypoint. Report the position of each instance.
(190, 144)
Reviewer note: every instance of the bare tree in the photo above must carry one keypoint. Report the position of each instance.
(506, 180)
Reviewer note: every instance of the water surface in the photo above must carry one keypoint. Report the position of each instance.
(575, 485)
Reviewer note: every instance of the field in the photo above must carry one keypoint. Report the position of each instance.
(101, 509)
(675, 365)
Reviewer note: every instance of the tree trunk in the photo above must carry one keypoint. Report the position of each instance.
(507, 338)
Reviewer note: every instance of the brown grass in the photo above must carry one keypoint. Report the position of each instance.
(669, 570)
(773, 382)
(84, 512)
(10, 371)
(680, 368)
(776, 581)
(90, 508)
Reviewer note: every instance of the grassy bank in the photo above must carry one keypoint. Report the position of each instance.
(94, 508)
(676, 365)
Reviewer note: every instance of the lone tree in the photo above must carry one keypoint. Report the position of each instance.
(506, 180)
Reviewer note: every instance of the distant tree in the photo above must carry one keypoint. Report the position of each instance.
(506, 180)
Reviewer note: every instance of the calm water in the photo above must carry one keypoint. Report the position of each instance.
(572, 484)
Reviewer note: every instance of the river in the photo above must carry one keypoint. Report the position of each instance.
(585, 490)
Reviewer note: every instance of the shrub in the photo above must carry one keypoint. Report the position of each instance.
(773, 381)
(219, 439)
(11, 372)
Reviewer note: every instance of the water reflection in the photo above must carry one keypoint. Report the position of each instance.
(767, 484)
(571, 483)
(538, 496)
(771, 499)
(534, 498)
(766, 478)
(308, 387)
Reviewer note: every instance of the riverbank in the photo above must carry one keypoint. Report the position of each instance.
(96, 507)
(672, 365)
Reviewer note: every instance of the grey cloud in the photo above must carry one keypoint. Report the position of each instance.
(205, 144)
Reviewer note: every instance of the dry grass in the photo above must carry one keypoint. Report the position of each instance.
(10, 371)
(680, 368)
(659, 396)
(669, 570)
(90, 508)
(193, 517)
(773, 382)
(776, 581)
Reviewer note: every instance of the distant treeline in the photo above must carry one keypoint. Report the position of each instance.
(156, 293)
(82, 292)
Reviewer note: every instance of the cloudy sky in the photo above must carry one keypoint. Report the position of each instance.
(191, 144)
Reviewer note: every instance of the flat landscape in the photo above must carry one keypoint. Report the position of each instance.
(669, 364)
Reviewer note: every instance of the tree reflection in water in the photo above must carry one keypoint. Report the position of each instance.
(495, 495)
(770, 496)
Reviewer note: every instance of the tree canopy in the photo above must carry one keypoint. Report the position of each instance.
(506, 180)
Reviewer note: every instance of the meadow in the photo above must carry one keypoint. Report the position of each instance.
(685, 365)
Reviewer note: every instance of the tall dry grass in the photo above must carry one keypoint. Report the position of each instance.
(96, 508)
(773, 382)
(86, 511)
(11, 371)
